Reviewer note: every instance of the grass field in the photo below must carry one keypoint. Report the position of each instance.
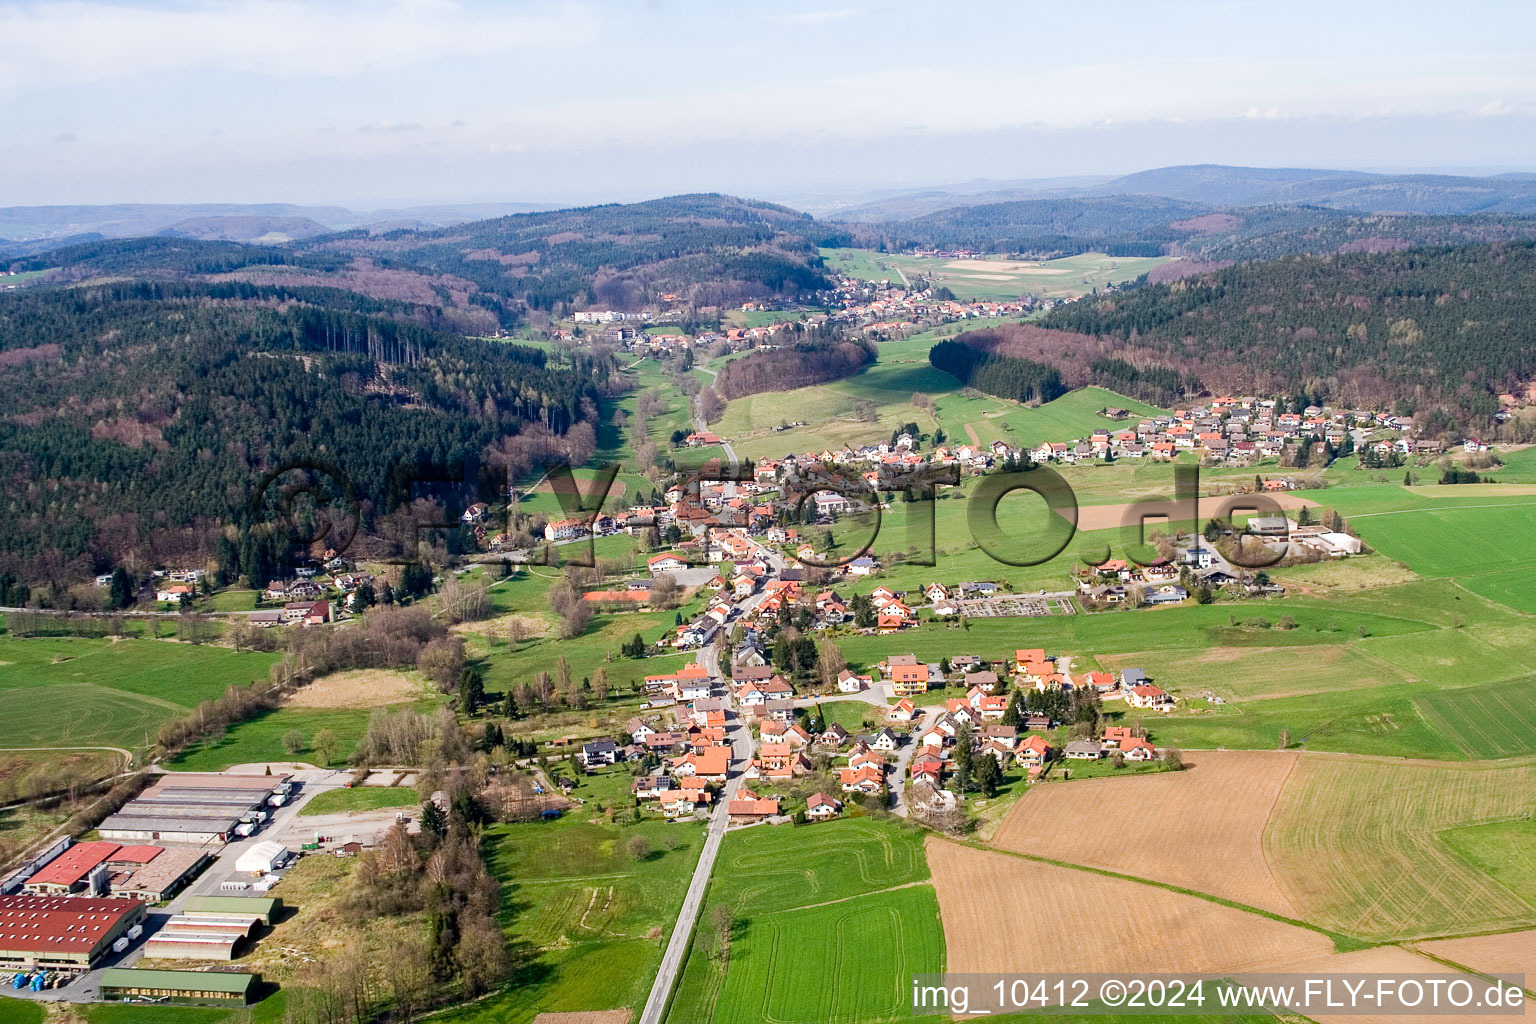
(1513, 587)
(1493, 721)
(588, 919)
(360, 798)
(115, 693)
(879, 927)
(994, 278)
(847, 963)
(1386, 823)
(1458, 540)
(901, 369)
(1503, 850)
(260, 738)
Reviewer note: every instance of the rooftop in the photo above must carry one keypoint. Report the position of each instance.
(74, 863)
(69, 924)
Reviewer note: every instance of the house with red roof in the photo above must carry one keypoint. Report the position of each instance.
(865, 779)
(1148, 696)
(820, 807)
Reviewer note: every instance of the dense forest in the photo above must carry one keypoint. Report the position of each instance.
(1022, 380)
(1118, 225)
(139, 416)
(1139, 225)
(710, 248)
(816, 360)
(700, 249)
(1412, 330)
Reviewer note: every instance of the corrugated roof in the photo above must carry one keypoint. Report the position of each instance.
(263, 905)
(74, 863)
(70, 924)
(192, 981)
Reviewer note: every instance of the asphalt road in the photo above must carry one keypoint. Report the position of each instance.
(688, 913)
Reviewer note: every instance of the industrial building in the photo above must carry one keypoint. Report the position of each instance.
(97, 868)
(216, 987)
(266, 908)
(69, 871)
(202, 936)
(160, 876)
(68, 933)
(196, 808)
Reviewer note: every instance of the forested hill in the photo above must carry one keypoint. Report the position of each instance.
(1145, 225)
(1119, 225)
(137, 418)
(699, 249)
(710, 249)
(1417, 330)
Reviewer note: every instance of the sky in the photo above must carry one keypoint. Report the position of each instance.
(383, 103)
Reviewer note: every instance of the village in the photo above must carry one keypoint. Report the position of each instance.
(1028, 713)
(879, 309)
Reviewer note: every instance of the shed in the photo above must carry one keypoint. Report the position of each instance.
(265, 907)
(217, 987)
(263, 858)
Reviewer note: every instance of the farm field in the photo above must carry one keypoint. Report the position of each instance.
(1387, 820)
(1168, 931)
(865, 949)
(1200, 829)
(995, 278)
(1451, 656)
(777, 869)
(1503, 850)
(1510, 953)
(772, 879)
(588, 918)
(117, 693)
(1455, 541)
(1513, 587)
(1493, 721)
(1258, 673)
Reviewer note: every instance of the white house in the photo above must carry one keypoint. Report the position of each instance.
(847, 682)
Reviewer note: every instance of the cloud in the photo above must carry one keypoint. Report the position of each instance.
(66, 137)
(391, 126)
(45, 45)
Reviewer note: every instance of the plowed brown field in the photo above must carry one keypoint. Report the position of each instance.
(1061, 919)
(1511, 953)
(1201, 828)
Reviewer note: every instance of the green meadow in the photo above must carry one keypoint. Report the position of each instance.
(823, 901)
(586, 916)
(84, 692)
(994, 277)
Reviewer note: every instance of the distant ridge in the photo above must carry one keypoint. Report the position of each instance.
(230, 221)
(1220, 186)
